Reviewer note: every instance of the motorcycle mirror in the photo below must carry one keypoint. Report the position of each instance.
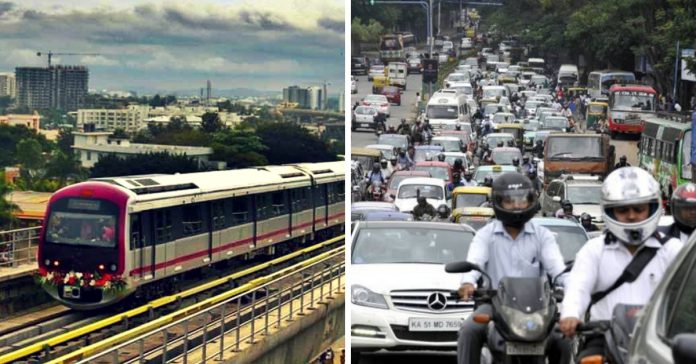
(684, 348)
(461, 267)
(482, 318)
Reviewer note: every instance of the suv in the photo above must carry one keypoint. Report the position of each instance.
(358, 65)
(583, 191)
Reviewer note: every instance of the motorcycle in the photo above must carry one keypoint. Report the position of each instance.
(376, 191)
(616, 332)
(524, 314)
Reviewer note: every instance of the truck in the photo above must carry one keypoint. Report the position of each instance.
(567, 153)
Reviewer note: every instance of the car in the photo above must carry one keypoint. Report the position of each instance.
(396, 178)
(450, 157)
(397, 268)
(669, 314)
(415, 65)
(397, 140)
(449, 143)
(491, 109)
(436, 169)
(425, 152)
(380, 102)
(393, 94)
(353, 85)
(433, 189)
(505, 155)
(386, 216)
(466, 43)
(569, 235)
(365, 117)
(582, 191)
(358, 209)
(375, 70)
(464, 134)
(387, 150)
(531, 105)
(493, 171)
(358, 65)
(454, 80)
(493, 139)
(503, 118)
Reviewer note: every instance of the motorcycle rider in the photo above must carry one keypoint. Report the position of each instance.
(403, 128)
(468, 179)
(423, 208)
(509, 246)
(443, 214)
(516, 163)
(631, 208)
(376, 174)
(566, 211)
(458, 166)
(487, 181)
(384, 166)
(683, 206)
(441, 157)
(393, 163)
(538, 149)
(526, 165)
(404, 161)
(586, 222)
(622, 163)
(536, 183)
(456, 182)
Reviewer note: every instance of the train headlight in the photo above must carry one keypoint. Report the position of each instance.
(56, 263)
(101, 267)
(112, 267)
(47, 262)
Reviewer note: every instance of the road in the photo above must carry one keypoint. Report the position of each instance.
(412, 357)
(361, 138)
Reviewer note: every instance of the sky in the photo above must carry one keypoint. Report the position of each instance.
(152, 46)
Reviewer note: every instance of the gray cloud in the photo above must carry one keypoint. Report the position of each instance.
(179, 17)
(264, 20)
(6, 7)
(33, 15)
(335, 25)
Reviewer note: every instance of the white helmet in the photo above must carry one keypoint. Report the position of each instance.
(630, 186)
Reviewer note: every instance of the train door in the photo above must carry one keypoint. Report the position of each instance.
(142, 245)
(218, 222)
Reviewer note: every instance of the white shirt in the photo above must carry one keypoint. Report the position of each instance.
(598, 265)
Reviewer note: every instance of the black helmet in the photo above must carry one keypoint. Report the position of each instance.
(488, 181)
(515, 161)
(376, 166)
(458, 163)
(566, 205)
(501, 144)
(443, 211)
(623, 159)
(421, 199)
(514, 190)
(511, 143)
(683, 205)
(532, 173)
(525, 158)
(585, 217)
(441, 157)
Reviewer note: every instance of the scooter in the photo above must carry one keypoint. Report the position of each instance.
(524, 314)
(617, 333)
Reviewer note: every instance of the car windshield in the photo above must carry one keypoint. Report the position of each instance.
(490, 93)
(587, 195)
(556, 123)
(470, 200)
(394, 140)
(82, 222)
(596, 109)
(530, 126)
(376, 99)
(365, 161)
(422, 154)
(442, 112)
(503, 118)
(494, 140)
(479, 176)
(435, 172)
(396, 179)
(451, 158)
(427, 191)
(569, 238)
(410, 245)
(449, 145)
(570, 148)
(530, 105)
(493, 108)
(476, 222)
(360, 110)
(456, 78)
(505, 157)
(633, 100)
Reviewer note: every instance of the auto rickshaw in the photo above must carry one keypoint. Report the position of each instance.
(476, 217)
(470, 196)
(378, 82)
(596, 111)
(517, 130)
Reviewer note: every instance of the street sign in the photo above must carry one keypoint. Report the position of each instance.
(430, 67)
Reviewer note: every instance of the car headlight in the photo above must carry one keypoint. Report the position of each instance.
(362, 296)
(528, 326)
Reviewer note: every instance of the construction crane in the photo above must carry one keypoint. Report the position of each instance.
(51, 54)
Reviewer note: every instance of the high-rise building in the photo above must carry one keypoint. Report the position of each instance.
(8, 84)
(316, 98)
(291, 94)
(130, 119)
(58, 87)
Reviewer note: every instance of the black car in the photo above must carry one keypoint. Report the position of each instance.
(358, 66)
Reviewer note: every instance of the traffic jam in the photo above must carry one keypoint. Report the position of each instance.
(508, 209)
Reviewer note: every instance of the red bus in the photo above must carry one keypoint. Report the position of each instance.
(628, 105)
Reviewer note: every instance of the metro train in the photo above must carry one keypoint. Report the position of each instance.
(104, 239)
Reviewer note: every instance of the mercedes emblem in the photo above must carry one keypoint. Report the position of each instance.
(437, 301)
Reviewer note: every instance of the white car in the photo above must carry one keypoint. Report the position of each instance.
(401, 295)
(375, 70)
(379, 102)
(353, 85)
(364, 117)
(455, 80)
(466, 43)
(433, 189)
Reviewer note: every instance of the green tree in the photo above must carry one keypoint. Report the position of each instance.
(6, 208)
(211, 123)
(239, 147)
(162, 162)
(120, 133)
(10, 137)
(33, 163)
(291, 143)
(65, 140)
(64, 167)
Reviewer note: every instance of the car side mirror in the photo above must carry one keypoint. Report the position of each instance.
(461, 267)
(556, 198)
(684, 348)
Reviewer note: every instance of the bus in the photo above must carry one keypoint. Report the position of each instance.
(391, 48)
(628, 104)
(568, 75)
(665, 150)
(598, 82)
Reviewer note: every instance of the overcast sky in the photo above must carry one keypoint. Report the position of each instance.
(148, 45)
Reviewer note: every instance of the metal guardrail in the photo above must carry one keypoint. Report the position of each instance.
(224, 324)
(19, 246)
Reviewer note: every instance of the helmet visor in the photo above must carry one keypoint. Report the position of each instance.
(513, 200)
(684, 213)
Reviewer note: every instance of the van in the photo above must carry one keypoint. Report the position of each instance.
(466, 43)
(568, 75)
(447, 107)
(536, 62)
(396, 72)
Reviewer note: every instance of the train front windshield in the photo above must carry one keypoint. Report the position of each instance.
(82, 222)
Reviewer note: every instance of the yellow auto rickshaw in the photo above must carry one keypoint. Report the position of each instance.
(476, 217)
(596, 111)
(517, 130)
(378, 82)
(470, 196)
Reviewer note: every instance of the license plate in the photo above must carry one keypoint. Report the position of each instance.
(524, 349)
(434, 324)
(364, 125)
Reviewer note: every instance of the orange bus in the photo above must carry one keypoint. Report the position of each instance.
(628, 105)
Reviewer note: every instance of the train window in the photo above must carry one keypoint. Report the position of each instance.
(191, 219)
(336, 192)
(163, 226)
(279, 203)
(319, 195)
(241, 208)
(299, 197)
(135, 238)
(218, 210)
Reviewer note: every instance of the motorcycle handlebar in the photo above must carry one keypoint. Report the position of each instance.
(593, 327)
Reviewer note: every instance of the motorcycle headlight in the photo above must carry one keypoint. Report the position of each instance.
(525, 325)
(362, 296)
